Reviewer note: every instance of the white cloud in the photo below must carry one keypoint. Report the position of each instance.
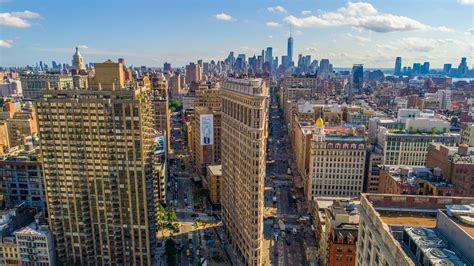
(247, 49)
(306, 12)
(270, 36)
(387, 47)
(357, 38)
(466, 2)
(418, 44)
(363, 16)
(83, 46)
(312, 49)
(26, 14)
(6, 43)
(471, 31)
(272, 24)
(223, 17)
(17, 19)
(276, 9)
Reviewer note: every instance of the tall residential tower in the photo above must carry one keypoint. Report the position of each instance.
(244, 134)
(97, 146)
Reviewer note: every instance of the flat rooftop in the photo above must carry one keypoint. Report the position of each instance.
(408, 220)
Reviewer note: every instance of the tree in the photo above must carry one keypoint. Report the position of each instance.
(175, 105)
(161, 219)
(171, 216)
(170, 252)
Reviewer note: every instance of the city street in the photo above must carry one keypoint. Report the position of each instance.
(289, 248)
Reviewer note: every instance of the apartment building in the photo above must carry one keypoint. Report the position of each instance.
(97, 149)
(456, 164)
(33, 85)
(21, 177)
(405, 180)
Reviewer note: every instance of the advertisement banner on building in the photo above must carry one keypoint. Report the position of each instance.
(207, 129)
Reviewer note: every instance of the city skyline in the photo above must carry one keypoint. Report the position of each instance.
(371, 33)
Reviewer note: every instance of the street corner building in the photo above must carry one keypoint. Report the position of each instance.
(244, 133)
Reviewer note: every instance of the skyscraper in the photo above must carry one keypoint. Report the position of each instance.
(96, 146)
(447, 69)
(398, 66)
(269, 55)
(462, 68)
(78, 61)
(290, 51)
(193, 73)
(244, 133)
(357, 80)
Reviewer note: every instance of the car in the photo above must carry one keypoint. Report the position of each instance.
(194, 215)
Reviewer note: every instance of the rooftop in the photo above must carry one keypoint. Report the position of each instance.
(215, 169)
(409, 176)
(408, 219)
(32, 229)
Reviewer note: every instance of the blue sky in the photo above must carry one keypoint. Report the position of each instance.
(152, 32)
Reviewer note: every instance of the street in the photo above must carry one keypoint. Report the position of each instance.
(280, 194)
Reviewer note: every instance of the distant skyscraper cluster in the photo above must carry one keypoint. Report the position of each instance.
(423, 69)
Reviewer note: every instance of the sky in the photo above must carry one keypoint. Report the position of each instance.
(150, 32)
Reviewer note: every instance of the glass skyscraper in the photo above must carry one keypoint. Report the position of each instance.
(290, 51)
(398, 66)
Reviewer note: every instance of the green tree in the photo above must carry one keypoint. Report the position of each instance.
(175, 105)
(170, 252)
(161, 220)
(171, 216)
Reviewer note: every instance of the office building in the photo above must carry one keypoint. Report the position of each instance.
(21, 178)
(462, 68)
(337, 162)
(447, 68)
(289, 53)
(97, 151)
(167, 67)
(207, 109)
(456, 164)
(77, 61)
(35, 245)
(415, 230)
(357, 82)
(214, 182)
(244, 137)
(398, 66)
(409, 146)
(269, 55)
(33, 85)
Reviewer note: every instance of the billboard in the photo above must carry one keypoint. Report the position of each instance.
(207, 129)
(159, 144)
